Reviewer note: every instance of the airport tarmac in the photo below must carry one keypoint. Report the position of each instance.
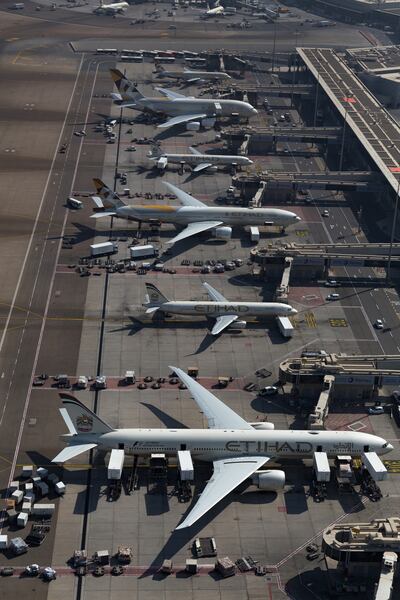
(79, 325)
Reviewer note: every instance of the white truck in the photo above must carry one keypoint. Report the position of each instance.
(285, 326)
(103, 248)
(143, 251)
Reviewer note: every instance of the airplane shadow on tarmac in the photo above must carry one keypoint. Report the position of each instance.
(180, 539)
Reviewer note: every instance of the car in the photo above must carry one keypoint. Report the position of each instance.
(396, 396)
(331, 283)
(378, 324)
(325, 213)
(376, 410)
(333, 297)
(269, 390)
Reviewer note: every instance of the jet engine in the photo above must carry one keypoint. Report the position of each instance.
(238, 325)
(269, 481)
(208, 123)
(223, 233)
(262, 425)
(193, 126)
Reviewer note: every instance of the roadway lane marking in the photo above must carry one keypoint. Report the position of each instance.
(39, 209)
(39, 343)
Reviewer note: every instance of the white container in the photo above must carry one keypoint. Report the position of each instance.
(103, 248)
(186, 469)
(375, 466)
(26, 507)
(115, 464)
(42, 472)
(3, 542)
(321, 466)
(14, 485)
(254, 234)
(28, 487)
(27, 471)
(285, 326)
(142, 251)
(162, 163)
(17, 496)
(22, 519)
(43, 509)
(60, 488)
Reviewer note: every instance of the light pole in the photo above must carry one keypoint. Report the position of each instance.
(396, 206)
(273, 49)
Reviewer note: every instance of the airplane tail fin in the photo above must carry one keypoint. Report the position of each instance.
(106, 198)
(126, 88)
(154, 298)
(80, 419)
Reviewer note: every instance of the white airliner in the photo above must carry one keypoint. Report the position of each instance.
(236, 448)
(200, 162)
(111, 9)
(215, 11)
(191, 76)
(181, 108)
(224, 311)
(193, 214)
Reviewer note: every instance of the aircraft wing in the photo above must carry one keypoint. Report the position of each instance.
(181, 119)
(184, 198)
(214, 294)
(99, 215)
(72, 451)
(219, 416)
(193, 229)
(193, 79)
(228, 474)
(201, 167)
(170, 94)
(222, 323)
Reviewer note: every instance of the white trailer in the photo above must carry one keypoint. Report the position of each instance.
(285, 326)
(142, 251)
(41, 510)
(22, 519)
(321, 467)
(186, 468)
(115, 464)
(375, 466)
(103, 248)
(254, 234)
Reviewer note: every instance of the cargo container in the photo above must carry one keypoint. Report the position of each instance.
(28, 487)
(14, 485)
(321, 466)
(60, 488)
(26, 507)
(285, 326)
(17, 496)
(27, 471)
(18, 546)
(42, 472)
(225, 567)
(375, 466)
(254, 234)
(29, 497)
(22, 519)
(142, 251)
(115, 464)
(103, 248)
(185, 462)
(43, 488)
(39, 510)
(53, 478)
(3, 542)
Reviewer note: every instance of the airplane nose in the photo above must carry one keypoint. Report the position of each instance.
(389, 447)
(293, 311)
(297, 219)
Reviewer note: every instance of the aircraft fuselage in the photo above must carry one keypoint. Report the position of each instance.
(217, 309)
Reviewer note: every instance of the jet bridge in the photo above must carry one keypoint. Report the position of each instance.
(262, 139)
(356, 378)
